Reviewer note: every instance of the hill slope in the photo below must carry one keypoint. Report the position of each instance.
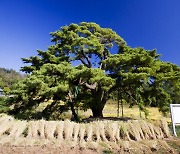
(8, 77)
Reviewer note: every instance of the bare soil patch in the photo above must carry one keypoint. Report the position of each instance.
(46, 149)
(124, 147)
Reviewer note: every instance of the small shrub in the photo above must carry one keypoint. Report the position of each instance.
(107, 152)
(4, 107)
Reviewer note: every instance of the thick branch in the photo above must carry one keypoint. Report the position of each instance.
(89, 86)
(87, 58)
(102, 66)
(83, 62)
(92, 86)
(70, 97)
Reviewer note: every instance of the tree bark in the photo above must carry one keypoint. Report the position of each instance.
(97, 112)
(74, 114)
(100, 99)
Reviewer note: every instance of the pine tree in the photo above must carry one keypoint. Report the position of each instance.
(80, 70)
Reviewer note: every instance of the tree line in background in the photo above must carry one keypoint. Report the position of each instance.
(86, 66)
(8, 77)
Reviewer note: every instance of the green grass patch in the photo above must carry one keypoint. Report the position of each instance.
(178, 131)
(175, 144)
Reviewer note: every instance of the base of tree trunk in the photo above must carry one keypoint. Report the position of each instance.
(97, 113)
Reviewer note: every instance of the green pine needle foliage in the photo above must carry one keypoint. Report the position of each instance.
(81, 58)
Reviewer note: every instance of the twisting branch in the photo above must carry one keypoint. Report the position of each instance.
(83, 62)
(70, 96)
(89, 86)
(87, 59)
(105, 56)
(92, 86)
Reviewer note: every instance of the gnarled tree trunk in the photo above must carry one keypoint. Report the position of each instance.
(99, 100)
(97, 112)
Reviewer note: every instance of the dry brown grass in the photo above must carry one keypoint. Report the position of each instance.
(96, 131)
(132, 136)
(110, 110)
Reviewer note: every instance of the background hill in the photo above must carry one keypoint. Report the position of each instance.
(8, 77)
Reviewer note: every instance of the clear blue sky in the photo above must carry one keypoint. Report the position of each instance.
(25, 24)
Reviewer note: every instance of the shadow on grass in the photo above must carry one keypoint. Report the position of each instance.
(91, 119)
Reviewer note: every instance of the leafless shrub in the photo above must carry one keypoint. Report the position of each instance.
(102, 131)
(5, 127)
(124, 132)
(59, 130)
(82, 132)
(17, 128)
(164, 127)
(68, 130)
(76, 132)
(33, 127)
(50, 127)
(111, 131)
(42, 128)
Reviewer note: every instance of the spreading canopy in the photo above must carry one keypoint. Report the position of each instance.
(80, 70)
